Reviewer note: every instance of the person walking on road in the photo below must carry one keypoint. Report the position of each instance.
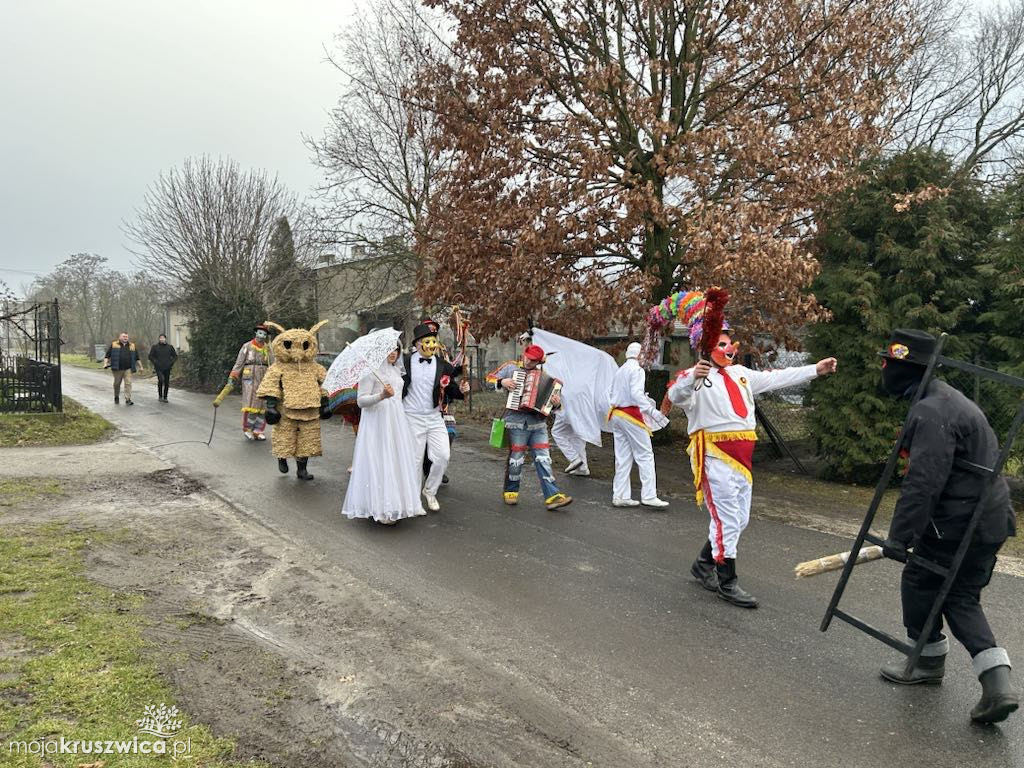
(123, 360)
(427, 381)
(718, 398)
(948, 438)
(528, 429)
(162, 356)
(385, 483)
(632, 418)
(254, 359)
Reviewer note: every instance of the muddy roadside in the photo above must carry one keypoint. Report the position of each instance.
(296, 660)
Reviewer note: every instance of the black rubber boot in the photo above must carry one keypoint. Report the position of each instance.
(729, 588)
(703, 569)
(301, 472)
(928, 670)
(998, 699)
(282, 466)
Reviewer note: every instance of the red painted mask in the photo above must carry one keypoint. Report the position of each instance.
(724, 354)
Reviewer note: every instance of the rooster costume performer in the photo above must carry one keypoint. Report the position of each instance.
(718, 397)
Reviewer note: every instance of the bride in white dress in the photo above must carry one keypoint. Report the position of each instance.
(385, 480)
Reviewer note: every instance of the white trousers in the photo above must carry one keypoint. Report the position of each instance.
(727, 498)
(571, 445)
(430, 434)
(632, 444)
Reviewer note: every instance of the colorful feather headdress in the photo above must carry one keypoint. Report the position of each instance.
(701, 313)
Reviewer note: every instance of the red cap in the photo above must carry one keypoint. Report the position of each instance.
(533, 352)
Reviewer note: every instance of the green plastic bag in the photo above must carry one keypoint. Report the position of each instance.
(498, 433)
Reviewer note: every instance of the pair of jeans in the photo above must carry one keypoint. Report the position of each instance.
(163, 381)
(528, 432)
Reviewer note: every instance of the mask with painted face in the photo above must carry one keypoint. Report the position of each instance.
(261, 336)
(724, 354)
(428, 346)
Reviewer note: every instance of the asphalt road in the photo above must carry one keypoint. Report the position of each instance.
(597, 601)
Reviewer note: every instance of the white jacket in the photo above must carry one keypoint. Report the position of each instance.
(710, 408)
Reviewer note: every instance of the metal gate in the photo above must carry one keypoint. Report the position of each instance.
(30, 357)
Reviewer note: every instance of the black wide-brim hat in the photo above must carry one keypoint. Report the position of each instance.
(910, 346)
(424, 329)
(261, 327)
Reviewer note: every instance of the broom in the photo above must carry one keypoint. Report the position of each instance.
(835, 562)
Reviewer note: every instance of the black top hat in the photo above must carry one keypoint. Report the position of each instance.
(261, 327)
(424, 329)
(910, 346)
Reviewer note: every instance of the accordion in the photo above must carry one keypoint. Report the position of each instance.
(534, 392)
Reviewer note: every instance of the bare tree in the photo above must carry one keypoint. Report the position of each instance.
(79, 283)
(379, 152)
(97, 302)
(206, 227)
(963, 87)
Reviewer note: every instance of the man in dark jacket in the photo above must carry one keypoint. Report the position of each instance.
(948, 438)
(162, 355)
(123, 360)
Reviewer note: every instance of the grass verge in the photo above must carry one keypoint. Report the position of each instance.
(20, 490)
(79, 361)
(71, 666)
(75, 426)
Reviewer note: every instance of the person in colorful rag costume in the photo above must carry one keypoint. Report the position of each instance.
(295, 399)
(251, 364)
(528, 429)
(718, 397)
(632, 418)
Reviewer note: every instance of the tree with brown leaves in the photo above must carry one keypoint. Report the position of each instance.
(608, 152)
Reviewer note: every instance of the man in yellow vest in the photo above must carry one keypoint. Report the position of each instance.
(123, 360)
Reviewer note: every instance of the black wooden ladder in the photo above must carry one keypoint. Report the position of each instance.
(991, 474)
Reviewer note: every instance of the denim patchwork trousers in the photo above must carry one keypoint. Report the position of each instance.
(528, 432)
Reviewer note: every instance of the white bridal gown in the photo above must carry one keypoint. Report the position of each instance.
(386, 474)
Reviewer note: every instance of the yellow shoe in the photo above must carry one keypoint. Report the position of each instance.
(511, 498)
(558, 500)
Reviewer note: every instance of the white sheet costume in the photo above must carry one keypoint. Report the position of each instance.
(385, 480)
(586, 374)
(722, 436)
(633, 416)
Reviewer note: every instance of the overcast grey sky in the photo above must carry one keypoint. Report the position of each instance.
(98, 96)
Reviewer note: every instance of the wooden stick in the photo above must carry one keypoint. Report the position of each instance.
(835, 562)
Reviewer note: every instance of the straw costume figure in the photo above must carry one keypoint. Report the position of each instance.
(296, 401)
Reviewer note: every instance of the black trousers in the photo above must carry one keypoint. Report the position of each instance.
(962, 608)
(163, 382)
